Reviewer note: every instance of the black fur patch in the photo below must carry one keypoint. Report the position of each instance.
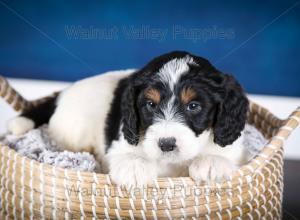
(41, 113)
(113, 120)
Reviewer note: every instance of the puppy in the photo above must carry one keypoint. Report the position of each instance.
(177, 116)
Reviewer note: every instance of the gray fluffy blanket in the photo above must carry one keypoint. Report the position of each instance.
(37, 145)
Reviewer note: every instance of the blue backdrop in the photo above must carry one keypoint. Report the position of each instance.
(256, 41)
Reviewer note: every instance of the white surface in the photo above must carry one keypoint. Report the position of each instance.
(280, 106)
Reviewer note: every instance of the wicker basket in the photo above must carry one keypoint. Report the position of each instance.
(29, 189)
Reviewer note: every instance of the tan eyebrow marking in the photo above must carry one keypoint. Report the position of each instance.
(187, 94)
(153, 94)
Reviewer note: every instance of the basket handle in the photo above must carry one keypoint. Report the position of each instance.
(12, 97)
(289, 125)
(16, 100)
(294, 116)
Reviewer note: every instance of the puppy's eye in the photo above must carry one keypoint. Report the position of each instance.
(193, 107)
(150, 105)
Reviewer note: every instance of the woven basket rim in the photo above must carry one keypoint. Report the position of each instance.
(34, 190)
(285, 127)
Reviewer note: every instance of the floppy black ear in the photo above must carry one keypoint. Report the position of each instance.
(231, 114)
(130, 117)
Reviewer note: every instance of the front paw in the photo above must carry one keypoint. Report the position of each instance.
(211, 169)
(132, 171)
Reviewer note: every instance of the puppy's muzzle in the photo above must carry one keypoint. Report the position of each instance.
(167, 144)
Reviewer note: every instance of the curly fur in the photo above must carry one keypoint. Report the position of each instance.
(231, 113)
(113, 116)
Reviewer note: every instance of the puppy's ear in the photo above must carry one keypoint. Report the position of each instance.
(130, 117)
(231, 113)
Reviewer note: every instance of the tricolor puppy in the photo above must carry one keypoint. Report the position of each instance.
(176, 116)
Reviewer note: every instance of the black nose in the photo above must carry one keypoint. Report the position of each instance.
(167, 144)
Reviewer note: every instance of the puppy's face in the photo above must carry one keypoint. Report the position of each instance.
(179, 105)
(173, 120)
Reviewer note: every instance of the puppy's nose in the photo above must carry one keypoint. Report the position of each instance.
(167, 144)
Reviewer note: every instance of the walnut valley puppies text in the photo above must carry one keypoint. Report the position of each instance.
(147, 32)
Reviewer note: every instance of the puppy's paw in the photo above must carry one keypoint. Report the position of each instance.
(211, 169)
(20, 125)
(131, 170)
